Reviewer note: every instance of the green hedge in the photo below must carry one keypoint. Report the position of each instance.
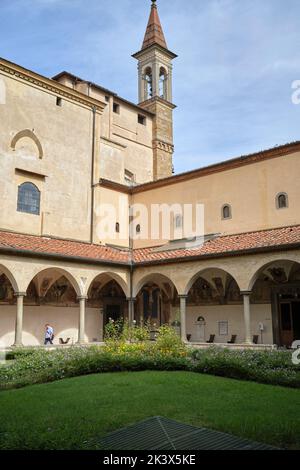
(270, 367)
(40, 365)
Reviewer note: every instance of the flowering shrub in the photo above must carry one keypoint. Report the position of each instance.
(167, 353)
(135, 333)
(113, 330)
(168, 341)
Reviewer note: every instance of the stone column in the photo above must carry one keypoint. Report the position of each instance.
(81, 329)
(19, 318)
(247, 316)
(183, 317)
(131, 310)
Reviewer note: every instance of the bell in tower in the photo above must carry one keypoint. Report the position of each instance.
(155, 92)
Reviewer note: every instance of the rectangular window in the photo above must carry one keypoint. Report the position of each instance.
(141, 119)
(107, 99)
(58, 101)
(128, 176)
(116, 108)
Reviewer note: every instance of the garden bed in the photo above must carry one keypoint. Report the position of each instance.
(38, 366)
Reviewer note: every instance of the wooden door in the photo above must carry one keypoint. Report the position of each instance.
(286, 324)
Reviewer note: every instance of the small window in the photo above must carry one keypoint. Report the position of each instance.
(117, 227)
(282, 201)
(58, 101)
(28, 199)
(141, 119)
(107, 99)
(226, 212)
(116, 108)
(138, 228)
(128, 176)
(178, 221)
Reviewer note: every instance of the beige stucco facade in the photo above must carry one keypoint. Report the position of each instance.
(179, 278)
(98, 165)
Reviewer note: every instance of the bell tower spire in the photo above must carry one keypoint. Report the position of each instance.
(155, 91)
(154, 32)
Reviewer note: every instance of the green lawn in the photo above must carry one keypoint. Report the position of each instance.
(64, 414)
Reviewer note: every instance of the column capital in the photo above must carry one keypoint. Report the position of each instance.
(131, 299)
(20, 294)
(246, 292)
(183, 296)
(82, 297)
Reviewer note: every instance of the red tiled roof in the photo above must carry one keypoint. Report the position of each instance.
(54, 246)
(226, 245)
(154, 32)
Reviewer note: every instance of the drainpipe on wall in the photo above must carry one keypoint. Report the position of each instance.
(92, 175)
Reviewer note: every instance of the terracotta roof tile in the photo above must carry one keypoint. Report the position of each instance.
(54, 246)
(225, 244)
(154, 32)
(286, 237)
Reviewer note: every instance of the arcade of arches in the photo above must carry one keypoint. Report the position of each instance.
(201, 303)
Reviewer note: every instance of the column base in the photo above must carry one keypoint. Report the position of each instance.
(17, 345)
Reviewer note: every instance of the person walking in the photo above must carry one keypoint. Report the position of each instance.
(49, 334)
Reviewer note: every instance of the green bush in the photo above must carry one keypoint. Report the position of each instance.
(45, 366)
(168, 341)
(167, 353)
(271, 367)
(19, 352)
(113, 330)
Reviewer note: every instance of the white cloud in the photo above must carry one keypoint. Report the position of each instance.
(237, 60)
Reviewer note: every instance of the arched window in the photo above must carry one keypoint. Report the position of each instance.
(163, 83)
(282, 201)
(226, 211)
(28, 199)
(117, 227)
(148, 83)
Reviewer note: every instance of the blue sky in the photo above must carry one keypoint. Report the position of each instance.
(232, 79)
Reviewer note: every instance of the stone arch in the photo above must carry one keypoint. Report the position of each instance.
(154, 277)
(30, 135)
(156, 298)
(148, 82)
(63, 272)
(259, 270)
(163, 82)
(110, 276)
(201, 272)
(10, 277)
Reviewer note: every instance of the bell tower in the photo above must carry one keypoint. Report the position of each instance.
(155, 92)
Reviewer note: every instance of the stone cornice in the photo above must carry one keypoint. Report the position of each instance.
(166, 147)
(155, 100)
(50, 85)
(152, 47)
